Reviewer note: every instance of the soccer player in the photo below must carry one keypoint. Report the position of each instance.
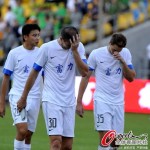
(59, 58)
(111, 64)
(19, 64)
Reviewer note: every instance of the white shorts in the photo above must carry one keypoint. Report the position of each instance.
(28, 115)
(108, 117)
(59, 120)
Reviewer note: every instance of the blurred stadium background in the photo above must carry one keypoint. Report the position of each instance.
(96, 20)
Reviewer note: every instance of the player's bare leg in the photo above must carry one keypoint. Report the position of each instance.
(28, 137)
(22, 129)
(20, 136)
(55, 142)
(67, 143)
(101, 135)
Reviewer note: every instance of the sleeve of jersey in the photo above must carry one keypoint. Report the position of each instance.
(129, 60)
(82, 53)
(91, 61)
(9, 64)
(41, 59)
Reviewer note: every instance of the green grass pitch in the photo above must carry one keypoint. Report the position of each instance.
(86, 138)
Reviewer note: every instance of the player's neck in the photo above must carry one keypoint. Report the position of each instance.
(109, 50)
(59, 42)
(28, 46)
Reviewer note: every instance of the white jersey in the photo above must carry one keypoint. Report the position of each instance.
(19, 63)
(109, 75)
(59, 73)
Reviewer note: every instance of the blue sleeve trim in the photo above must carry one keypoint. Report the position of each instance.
(7, 72)
(85, 61)
(37, 67)
(131, 66)
(91, 69)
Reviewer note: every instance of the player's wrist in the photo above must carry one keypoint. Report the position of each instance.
(23, 98)
(79, 102)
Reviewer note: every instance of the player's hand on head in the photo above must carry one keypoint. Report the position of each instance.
(21, 104)
(75, 42)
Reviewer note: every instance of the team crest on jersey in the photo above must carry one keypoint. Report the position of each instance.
(26, 69)
(59, 68)
(108, 71)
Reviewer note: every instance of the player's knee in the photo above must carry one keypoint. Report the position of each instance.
(22, 131)
(56, 143)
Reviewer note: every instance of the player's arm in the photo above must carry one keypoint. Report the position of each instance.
(82, 88)
(128, 72)
(81, 65)
(30, 82)
(4, 89)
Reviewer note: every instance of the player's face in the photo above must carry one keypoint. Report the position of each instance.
(65, 44)
(114, 48)
(33, 38)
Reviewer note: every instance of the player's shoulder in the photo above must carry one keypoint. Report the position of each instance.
(125, 50)
(36, 48)
(125, 53)
(99, 50)
(81, 44)
(16, 50)
(49, 45)
(81, 47)
(53, 42)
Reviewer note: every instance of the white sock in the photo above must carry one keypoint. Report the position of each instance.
(27, 146)
(18, 145)
(103, 148)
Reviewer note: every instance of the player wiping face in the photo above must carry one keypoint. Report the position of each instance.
(114, 50)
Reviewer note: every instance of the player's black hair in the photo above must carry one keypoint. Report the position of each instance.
(27, 28)
(68, 32)
(118, 39)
